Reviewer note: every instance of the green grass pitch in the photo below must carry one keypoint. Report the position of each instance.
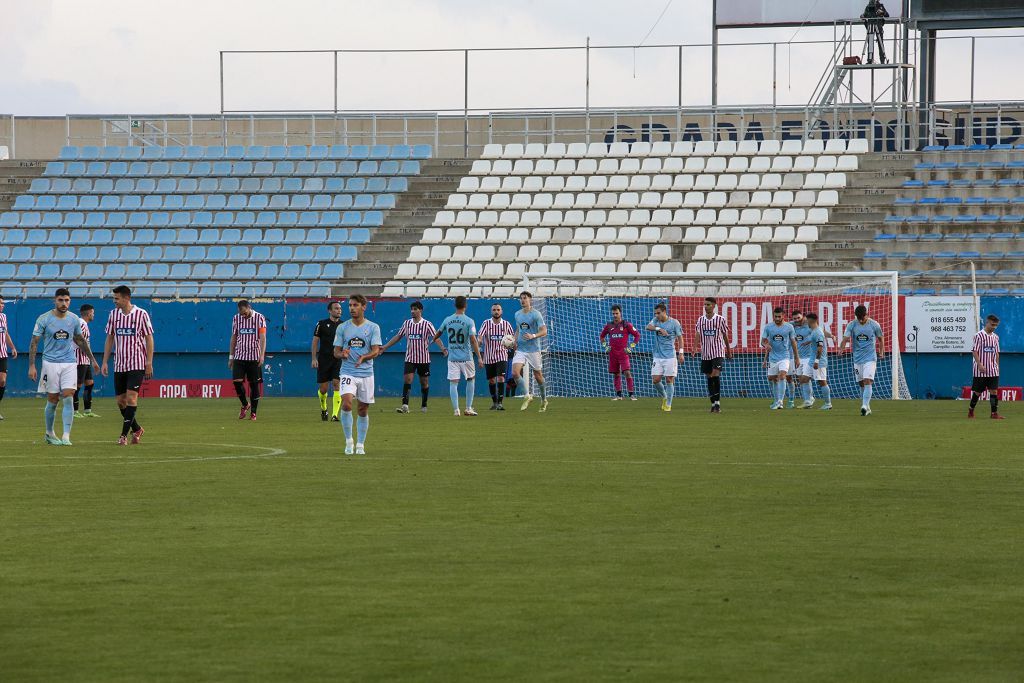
(600, 541)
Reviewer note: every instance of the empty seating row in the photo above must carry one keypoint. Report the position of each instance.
(745, 252)
(185, 236)
(601, 217)
(1011, 218)
(498, 271)
(992, 164)
(176, 271)
(158, 219)
(955, 201)
(322, 253)
(660, 182)
(252, 152)
(197, 202)
(532, 252)
(597, 150)
(946, 255)
(637, 287)
(648, 200)
(953, 236)
(976, 147)
(64, 186)
(780, 164)
(170, 290)
(622, 235)
(230, 168)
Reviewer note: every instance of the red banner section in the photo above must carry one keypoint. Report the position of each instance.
(187, 388)
(1005, 393)
(748, 314)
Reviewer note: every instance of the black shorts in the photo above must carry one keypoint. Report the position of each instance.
(128, 381)
(328, 369)
(421, 369)
(3, 365)
(980, 384)
(251, 370)
(706, 366)
(84, 373)
(495, 369)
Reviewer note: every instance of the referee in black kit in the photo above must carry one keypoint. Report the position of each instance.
(328, 368)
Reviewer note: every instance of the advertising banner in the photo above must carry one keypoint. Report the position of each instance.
(940, 324)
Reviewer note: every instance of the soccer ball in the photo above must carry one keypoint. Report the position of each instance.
(508, 341)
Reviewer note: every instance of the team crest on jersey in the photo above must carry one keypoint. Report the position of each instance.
(61, 335)
(862, 337)
(524, 326)
(777, 337)
(357, 343)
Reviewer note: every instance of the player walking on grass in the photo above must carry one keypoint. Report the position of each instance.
(248, 351)
(61, 332)
(5, 343)
(418, 333)
(796, 383)
(864, 335)
(615, 338)
(495, 354)
(530, 328)
(779, 343)
(356, 344)
(86, 313)
(462, 347)
(817, 360)
(712, 345)
(986, 367)
(328, 368)
(130, 336)
(668, 354)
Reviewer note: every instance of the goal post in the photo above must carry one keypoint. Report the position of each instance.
(576, 307)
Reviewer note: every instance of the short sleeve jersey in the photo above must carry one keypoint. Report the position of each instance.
(325, 331)
(665, 345)
(528, 323)
(359, 340)
(862, 337)
(458, 329)
(780, 339)
(58, 335)
(817, 341)
(803, 340)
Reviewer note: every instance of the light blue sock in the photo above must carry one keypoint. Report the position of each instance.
(346, 424)
(867, 395)
(49, 415)
(780, 390)
(805, 391)
(471, 389)
(826, 393)
(69, 414)
(453, 393)
(362, 426)
(789, 389)
(670, 391)
(660, 387)
(540, 388)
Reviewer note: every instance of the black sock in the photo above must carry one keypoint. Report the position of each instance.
(994, 401)
(87, 396)
(2, 390)
(405, 393)
(425, 394)
(975, 396)
(493, 386)
(716, 389)
(254, 395)
(240, 392)
(128, 424)
(74, 399)
(711, 388)
(499, 391)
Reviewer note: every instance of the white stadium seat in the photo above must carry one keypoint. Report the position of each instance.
(491, 151)
(481, 167)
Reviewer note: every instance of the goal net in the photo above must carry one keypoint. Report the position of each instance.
(576, 308)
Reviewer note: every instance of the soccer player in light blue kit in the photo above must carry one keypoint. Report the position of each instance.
(668, 354)
(460, 331)
(802, 372)
(530, 328)
(819, 359)
(864, 334)
(356, 343)
(779, 343)
(61, 332)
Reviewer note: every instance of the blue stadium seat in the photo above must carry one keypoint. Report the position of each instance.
(165, 236)
(242, 168)
(21, 254)
(152, 153)
(410, 168)
(297, 289)
(341, 201)
(71, 271)
(152, 202)
(224, 271)
(202, 271)
(264, 168)
(347, 168)
(24, 202)
(337, 235)
(145, 186)
(201, 169)
(136, 271)
(289, 185)
(234, 152)
(180, 168)
(214, 152)
(159, 168)
(259, 253)
(367, 168)
(194, 152)
(400, 152)
(238, 253)
(115, 271)
(359, 236)
(338, 152)
(303, 253)
(68, 153)
(131, 153)
(255, 152)
(39, 186)
(372, 219)
(194, 253)
(267, 271)
(223, 219)
(180, 271)
(392, 168)
(55, 168)
(88, 202)
(81, 185)
(252, 236)
(422, 151)
(362, 202)
(317, 152)
(245, 218)
(158, 271)
(245, 271)
(49, 271)
(173, 152)
(334, 185)
(281, 253)
(174, 202)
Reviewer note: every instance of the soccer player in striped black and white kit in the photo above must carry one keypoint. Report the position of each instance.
(248, 349)
(418, 332)
(495, 354)
(130, 337)
(986, 367)
(5, 342)
(86, 313)
(712, 345)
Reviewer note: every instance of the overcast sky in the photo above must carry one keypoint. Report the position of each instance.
(121, 56)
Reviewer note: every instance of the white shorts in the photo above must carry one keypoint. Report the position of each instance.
(360, 387)
(779, 366)
(57, 377)
(665, 367)
(821, 374)
(804, 369)
(531, 358)
(864, 370)
(457, 369)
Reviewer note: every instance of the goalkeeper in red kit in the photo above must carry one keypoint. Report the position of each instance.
(615, 337)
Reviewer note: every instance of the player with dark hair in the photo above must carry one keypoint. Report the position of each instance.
(864, 336)
(248, 351)
(130, 337)
(818, 359)
(462, 347)
(668, 353)
(328, 368)
(986, 367)
(356, 344)
(86, 313)
(5, 343)
(615, 338)
(712, 345)
(491, 334)
(530, 328)
(779, 343)
(418, 331)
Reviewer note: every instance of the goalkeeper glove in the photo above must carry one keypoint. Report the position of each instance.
(606, 348)
(630, 348)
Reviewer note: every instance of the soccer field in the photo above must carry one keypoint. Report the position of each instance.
(599, 541)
